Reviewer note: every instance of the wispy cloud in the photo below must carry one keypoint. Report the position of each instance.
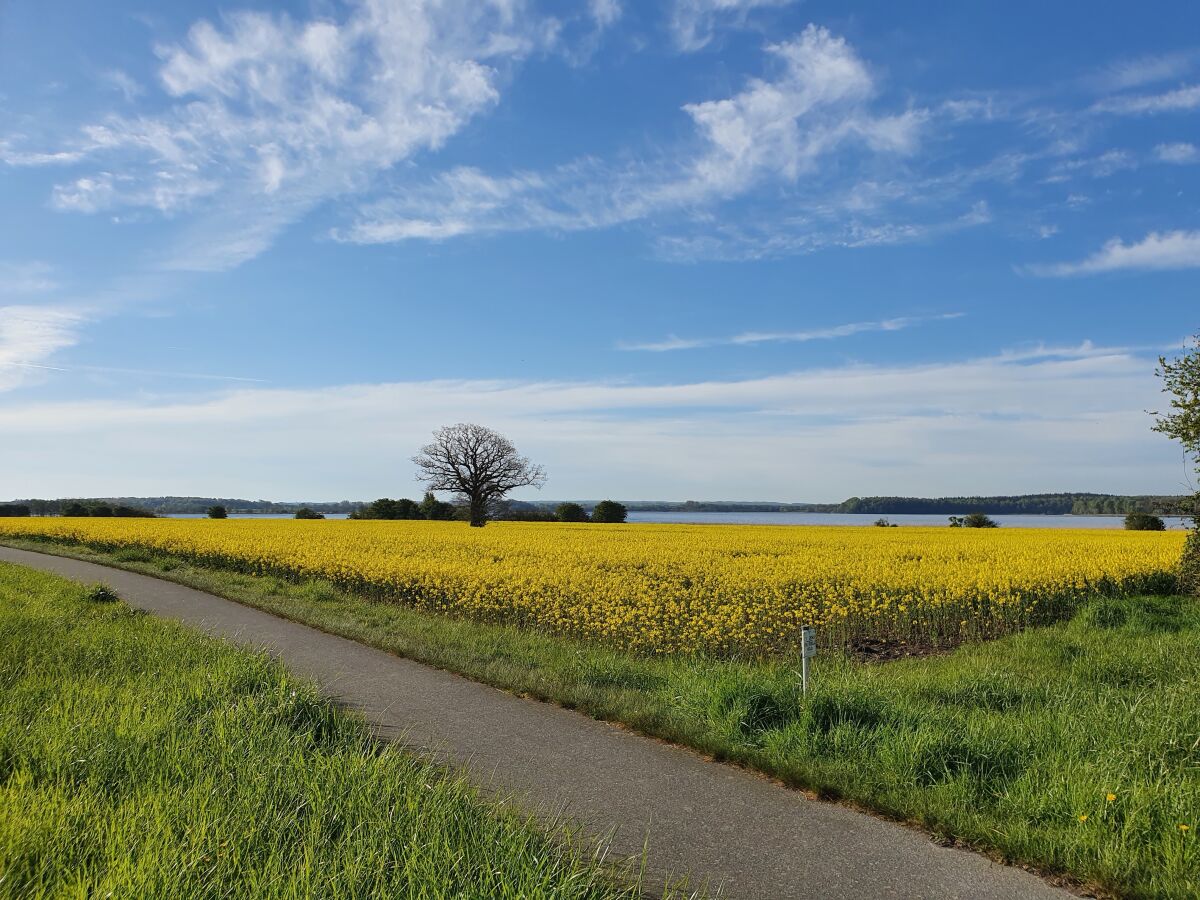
(1144, 70)
(1178, 153)
(32, 277)
(123, 83)
(268, 116)
(694, 22)
(1178, 100)
(750, 338)
(775, 132)
(30, 335)
(1157, 251)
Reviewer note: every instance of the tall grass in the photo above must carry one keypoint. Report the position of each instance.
(138, 759)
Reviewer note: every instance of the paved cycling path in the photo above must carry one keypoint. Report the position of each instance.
(730, 828)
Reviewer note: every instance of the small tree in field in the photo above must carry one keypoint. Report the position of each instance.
(973, 520)
(1140, 521)
(477, 464)
(218, 512)
(1181, 382)
(570, 512)
(609, 511)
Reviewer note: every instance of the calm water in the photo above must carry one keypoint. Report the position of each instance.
(769, 518)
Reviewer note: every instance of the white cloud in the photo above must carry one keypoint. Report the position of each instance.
(1178, 153)
(693, 22)
(1104, 165)
(10, 155)
(1180, 99)
(1046, 418)
(271, 116)
(122, 83)
(823, 229)
(748, 338)
(29, 336)
(1157, 251)
(604, 13)
(1145, 70)
(772, 133)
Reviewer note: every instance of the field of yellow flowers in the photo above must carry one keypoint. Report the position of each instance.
(732, 589)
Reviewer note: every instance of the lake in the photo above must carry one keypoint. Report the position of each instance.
(784, 518)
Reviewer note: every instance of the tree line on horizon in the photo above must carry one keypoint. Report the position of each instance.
(544, 510)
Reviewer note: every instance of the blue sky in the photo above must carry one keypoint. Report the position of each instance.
(691, 249)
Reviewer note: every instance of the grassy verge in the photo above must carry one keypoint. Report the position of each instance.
(139, 759)
(1074, 748)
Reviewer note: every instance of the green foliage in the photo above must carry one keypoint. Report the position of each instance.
(570, 512)
(1189, 566)
(1137, 521)
(386, 508)
(433, 508)
(10, 510)
(1181, 382)
(973, 520)
(883, 523)
(609, 511)
(218, 512)
(140, 759)
(98, 508)
(305, 513)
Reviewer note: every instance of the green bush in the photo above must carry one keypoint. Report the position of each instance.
(1189, 567)
(1140, 521)
(570, 512)
(305, 513)
(973, 520)
(218, 512)
(609, 511)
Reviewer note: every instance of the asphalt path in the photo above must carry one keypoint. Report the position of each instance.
(742, 835)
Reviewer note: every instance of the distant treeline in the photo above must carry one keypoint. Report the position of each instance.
(198, 505)
(101, 508)
(1023, 504)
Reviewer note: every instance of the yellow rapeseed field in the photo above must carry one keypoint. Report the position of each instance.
(671, 588)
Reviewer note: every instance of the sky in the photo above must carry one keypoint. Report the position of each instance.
(695, 249)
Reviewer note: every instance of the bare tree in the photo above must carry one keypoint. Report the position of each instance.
(477, 464)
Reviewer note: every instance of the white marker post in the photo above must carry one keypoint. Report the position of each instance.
(808, 644)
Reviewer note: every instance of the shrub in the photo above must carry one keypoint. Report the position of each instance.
(973, 520)
(305, 513)
(218, 512)
(883, 523)
(1140, 521)
(609, 511)
(570, 512)
(1189, 567)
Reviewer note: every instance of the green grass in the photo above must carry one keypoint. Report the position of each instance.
(1002, 746)
(140, 759)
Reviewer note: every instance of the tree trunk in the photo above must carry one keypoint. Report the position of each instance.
(478, 512)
